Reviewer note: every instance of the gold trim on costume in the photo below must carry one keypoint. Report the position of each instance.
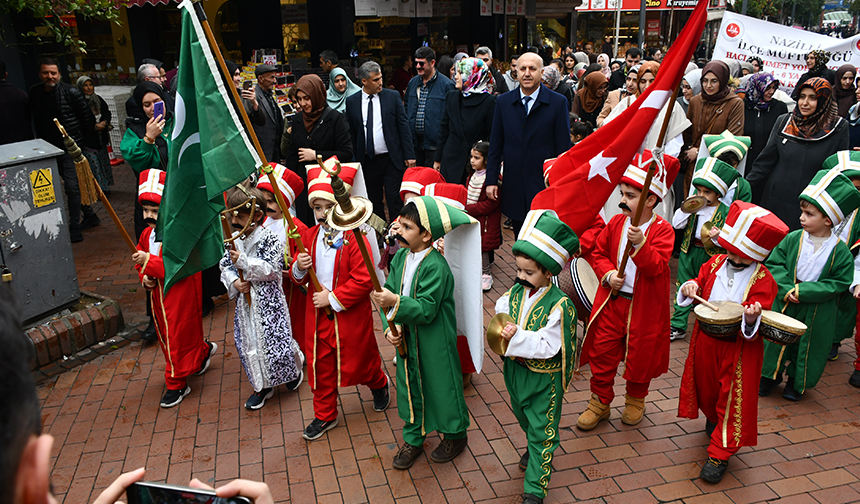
(546, 453)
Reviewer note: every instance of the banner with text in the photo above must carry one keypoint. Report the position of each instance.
(782, 49)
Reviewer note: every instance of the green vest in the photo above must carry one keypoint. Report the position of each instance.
(718, 219)
(550, 300)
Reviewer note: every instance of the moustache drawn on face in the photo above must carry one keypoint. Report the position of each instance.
(271, 210)
(236, 225)
(524, 283)
(401, 239)
(737, 264)
(624, 206)
(149, 220)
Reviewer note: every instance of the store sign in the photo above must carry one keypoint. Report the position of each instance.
(387, 7)
(365, 7)
(486, 8)
(782, 49)
(652, 28)
(498, 6)
(294, 14)
(635, 5)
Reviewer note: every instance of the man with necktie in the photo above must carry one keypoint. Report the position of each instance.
(268, 120)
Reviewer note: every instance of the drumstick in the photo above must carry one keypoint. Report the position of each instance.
(709, 305)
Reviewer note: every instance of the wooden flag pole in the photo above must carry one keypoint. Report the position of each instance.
(201, 15)
(646, 187)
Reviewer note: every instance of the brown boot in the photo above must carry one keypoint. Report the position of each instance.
(593, 414)
(634, 410)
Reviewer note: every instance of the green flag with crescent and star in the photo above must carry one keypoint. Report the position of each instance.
(209, 153)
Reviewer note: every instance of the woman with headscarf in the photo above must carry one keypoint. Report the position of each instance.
(603, 59)
(691, 85)
(714, 110)
(468, 118)
(797, 147)
(761, 111)
(854, 118)
(816, 62)
(95, 148)
(843, 90)
(746, 68)
(628, 93)
(316, 129)
(588, 101)
(672, 142)
(340, 88)
(552, 79)
(581, 57)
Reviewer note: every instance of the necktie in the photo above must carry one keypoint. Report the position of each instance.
(526, 100)
(369, 149)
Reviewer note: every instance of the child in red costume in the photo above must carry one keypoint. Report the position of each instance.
(720, 375)
(342, 352)
(177, 314)
(630, 328)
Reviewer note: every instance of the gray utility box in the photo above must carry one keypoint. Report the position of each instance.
(34, 231)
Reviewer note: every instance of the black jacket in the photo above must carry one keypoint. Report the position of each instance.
(466, 120)
(270, 131)
(16, 125)
(501, 86)
(758, 125)
(618, 79)
(825, 73)
(72, 111)
(395, 128)
(329, 137)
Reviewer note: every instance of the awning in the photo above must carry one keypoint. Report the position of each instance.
(634, 5)
(141, 3)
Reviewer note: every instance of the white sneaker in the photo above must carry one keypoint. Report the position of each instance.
(486, 282)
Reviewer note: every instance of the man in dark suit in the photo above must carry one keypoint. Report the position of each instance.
(531, 124)
(267, 119)
(381, 138)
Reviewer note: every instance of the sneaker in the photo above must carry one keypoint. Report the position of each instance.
(790, 393)
(75, 235)
(294, 385)
(766, 385)
(317, 428)
(524, 461)
(508, 224)
(834, 352)
(90, 221)
(149, 333)
(258, 399)
(486, 282)
(173, 397)
(854, 381)
(676, 334)
(381, 397)
(448, 449)
(406, 456)
(531, 499)
(714, 469)
(213, 347)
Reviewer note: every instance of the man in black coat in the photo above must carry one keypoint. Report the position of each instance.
(381, 139)
(16, 125)
(54, 98)
(484, 53)
(618, 79)
(268, 120)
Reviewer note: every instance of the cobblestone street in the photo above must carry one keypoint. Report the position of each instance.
(105, 418)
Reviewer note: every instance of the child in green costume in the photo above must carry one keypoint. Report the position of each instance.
(418, 297)
(538, 360)
(711, 179)
(812, 267)
(732, 150)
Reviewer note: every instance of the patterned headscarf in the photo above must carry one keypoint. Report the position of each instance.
(821, 122)
(757, 84)
(821, 58)
(758, 60)
(476, 75)
(551, 77)
(92, 99)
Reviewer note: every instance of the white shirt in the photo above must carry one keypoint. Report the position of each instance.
(541, 344)
(679, 221)
(724, 290)
(534, 97)
(810, 262)
(324, 264)
(379, 145)
(154, 246)
(856, 281)
(630, 269)
(410, 267)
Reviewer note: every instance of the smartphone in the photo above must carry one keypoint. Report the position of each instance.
(158, 110)
(145, 492)
(247, 84)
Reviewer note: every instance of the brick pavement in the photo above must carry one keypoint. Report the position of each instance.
(105, 418)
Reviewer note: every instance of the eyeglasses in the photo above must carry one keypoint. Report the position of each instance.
(419, 63)
(485, 60)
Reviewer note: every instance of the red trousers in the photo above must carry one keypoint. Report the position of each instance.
(466, 364)
(609, 340)
(183, 354)
(325, 389)
(857, 336)
(714, 369)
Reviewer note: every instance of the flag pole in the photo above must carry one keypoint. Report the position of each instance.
(646, 186)
(266, 168)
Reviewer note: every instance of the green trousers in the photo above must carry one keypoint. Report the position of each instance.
(688, 268)
(412, 434)
(536, 401)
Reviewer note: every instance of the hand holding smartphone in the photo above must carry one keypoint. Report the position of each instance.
(246, 84)
(146, 492)
(158, 110)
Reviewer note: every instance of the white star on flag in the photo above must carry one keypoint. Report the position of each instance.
(598, 166)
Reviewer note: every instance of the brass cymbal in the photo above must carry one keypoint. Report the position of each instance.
(693, 204)
(498, 344)
(349, 217)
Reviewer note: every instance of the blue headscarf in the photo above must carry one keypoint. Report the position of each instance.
(335, 99)
(756, 86)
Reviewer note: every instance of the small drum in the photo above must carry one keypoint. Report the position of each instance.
(580, 284)
(780, 328)
(723, 324)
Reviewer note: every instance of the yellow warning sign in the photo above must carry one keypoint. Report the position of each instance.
(43, 187)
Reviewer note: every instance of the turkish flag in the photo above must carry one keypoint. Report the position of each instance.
(582, 179)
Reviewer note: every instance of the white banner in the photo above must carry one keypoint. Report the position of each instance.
(782, 49)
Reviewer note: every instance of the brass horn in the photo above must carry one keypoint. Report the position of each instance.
(350, 212)
(497, 324)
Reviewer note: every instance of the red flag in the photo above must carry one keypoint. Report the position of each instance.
(582, 178)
